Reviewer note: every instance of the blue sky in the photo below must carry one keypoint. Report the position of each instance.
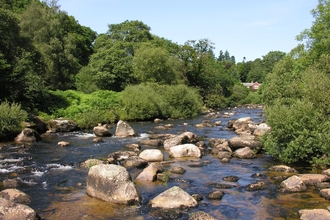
(246, 28)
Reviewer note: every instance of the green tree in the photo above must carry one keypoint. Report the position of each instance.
(154, 64)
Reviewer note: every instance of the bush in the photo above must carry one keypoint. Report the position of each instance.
(11, 118)
(86, 109)
(149, 101)
(216, 101)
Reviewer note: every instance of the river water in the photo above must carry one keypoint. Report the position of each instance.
(52, 176)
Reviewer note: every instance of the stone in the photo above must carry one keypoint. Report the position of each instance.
(11, 183)
(256, 186)
(245, 141)
(120, 156)
(152, 142)
(177, 170)
(134, 161)
(14, 211)
(15, 195)
(325, 193)
(311, 214)
(152, 155)
(28, 135)
(200, 215)
(215, 195)
(314, 179)
(224, 154)
(293, 184)
(244, 153)
(102, 131)
(63, 125)
(63, 143)
(282, 168)
(186, 137)
(98, 140)
(123, 129)
(150, 172)
(185, 150)
(91, 162)
(174, 197)
(111, 183)
(133, 147)
(230, 178)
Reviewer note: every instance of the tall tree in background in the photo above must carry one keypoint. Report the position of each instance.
(110, 67)
(63, 43)
(20, 64)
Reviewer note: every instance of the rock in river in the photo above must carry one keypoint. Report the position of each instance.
(111, 183)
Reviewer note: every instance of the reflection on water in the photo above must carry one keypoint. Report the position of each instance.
(52, 177)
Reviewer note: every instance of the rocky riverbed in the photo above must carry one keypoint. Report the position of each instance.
(209, 167)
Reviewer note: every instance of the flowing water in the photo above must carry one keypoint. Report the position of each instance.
(52, 176)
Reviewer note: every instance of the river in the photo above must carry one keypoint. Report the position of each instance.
(52, 176)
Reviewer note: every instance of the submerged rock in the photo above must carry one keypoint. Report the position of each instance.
(201, 216)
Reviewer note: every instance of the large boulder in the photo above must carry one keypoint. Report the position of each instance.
(15, 195)
(244, 153)
(174, 197)
(150, 173)
(28, 135)
(314, 179)
(325, 193)
(311, 214)
(14, 211)
(242, 125)
(63, 125)
(293, 184)
(245, 141)
(124, 130)
(152, 155)
(111, 183)
(185, 150)
(184, 138)
(102, 131)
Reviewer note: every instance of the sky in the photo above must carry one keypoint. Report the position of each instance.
(245, 28)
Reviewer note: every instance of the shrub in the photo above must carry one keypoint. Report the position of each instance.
(216, 101)
(149, 101)
(11, 118)
(86, 109)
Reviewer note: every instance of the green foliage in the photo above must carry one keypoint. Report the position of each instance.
(149, 101)
(216, 101)
(11, 118)
(240, 92)
(253, 98)
(300, 119)
(86, 109)
(154, 64)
